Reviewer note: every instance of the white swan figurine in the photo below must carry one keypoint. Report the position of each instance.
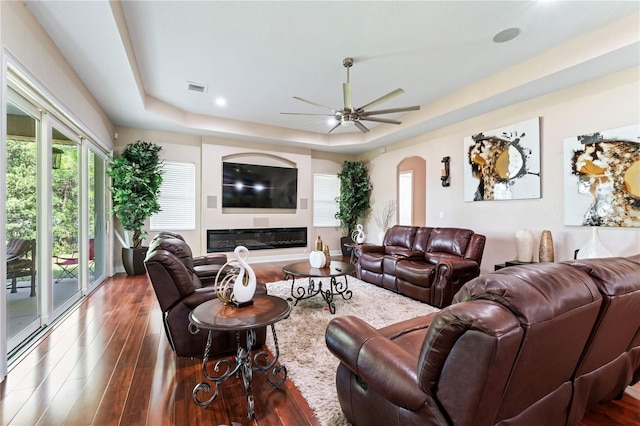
(244, 287)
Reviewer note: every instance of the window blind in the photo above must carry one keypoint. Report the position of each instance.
(325, 190)
(177, 198)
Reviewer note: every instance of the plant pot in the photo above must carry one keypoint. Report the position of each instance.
(346, 251)
(133, 260)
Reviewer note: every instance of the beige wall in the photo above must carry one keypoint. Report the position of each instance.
(606, 103)
(207, 153)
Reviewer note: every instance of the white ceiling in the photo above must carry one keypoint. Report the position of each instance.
(137, 58)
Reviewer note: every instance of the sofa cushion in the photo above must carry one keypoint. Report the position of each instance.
(417, 272)
(421, 240)
(401, 236)
(452, 241)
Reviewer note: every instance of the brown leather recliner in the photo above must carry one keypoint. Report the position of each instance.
(206, 267)
(427, 264)
(504, 352)
(608, 366)
(179, 290)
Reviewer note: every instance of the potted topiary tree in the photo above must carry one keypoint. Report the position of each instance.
(354, 199)
(136, 176)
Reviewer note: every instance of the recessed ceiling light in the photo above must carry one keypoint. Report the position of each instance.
(506, 35)
(221, 101)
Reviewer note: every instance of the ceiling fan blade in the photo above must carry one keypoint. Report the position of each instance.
(361, 126)
(334, 127)
(346, 92)
(382, 99)
(381, 120)
(389, 111)
(314, 103)
(304, 113)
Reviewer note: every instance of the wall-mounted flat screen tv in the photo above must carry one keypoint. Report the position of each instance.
(259, 187)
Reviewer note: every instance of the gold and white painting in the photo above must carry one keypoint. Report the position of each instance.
(503, 163)
(602, 178)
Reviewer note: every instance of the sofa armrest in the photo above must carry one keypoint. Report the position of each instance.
(410, 255)
(450, 276)
(363, 350)
(370, 248)
(210, 259)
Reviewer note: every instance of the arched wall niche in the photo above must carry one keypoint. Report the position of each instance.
(259, 158)
(418, 166)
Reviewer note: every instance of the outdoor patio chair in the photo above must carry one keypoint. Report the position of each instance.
(21, 262)
(69, 265)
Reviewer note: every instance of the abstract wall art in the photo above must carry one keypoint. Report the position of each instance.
(504, 163)
(602, 178)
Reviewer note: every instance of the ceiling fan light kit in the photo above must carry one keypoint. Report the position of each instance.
(349, 116)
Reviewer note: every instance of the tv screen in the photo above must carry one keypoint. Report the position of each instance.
(259, 187)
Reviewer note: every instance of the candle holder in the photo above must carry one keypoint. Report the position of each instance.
(444, 174)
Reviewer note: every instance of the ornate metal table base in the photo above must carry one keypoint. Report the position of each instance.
(244, 367)
(336, 288)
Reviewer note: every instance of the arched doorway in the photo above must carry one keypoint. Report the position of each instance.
(411, 175)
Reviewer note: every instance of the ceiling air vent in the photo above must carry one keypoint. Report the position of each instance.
(196, 87)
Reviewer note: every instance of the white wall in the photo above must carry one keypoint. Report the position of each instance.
(606, 103)
(26, 41)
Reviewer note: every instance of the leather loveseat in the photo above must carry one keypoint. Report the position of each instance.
(535, 345)
(179, 290)
(427, 264)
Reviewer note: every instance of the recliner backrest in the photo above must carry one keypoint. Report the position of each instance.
(399, 237)
(177, 246)
(169, 277)
(446, 243)
(604, 370)
(485, 357)
(421, 240)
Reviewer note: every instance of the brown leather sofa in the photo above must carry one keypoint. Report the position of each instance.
(533, 345)
(427, 264)
(179, 290)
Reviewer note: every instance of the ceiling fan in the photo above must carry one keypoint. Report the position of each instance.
(349, 116)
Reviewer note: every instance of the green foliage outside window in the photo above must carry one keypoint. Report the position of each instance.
(21, 181)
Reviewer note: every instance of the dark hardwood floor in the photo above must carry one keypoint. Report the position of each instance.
(108, 363)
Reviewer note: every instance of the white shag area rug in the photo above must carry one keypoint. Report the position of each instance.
(310, 365)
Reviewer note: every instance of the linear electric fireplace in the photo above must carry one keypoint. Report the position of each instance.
(255, 238)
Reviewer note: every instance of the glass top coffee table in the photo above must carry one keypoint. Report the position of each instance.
(333, 286)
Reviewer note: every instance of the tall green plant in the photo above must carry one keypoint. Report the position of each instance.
(136, 176)
(355, 194)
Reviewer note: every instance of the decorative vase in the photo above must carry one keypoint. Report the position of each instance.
(525, 243)
(245, 285)
(594, 247)
(358, 235)
(546, 247)
(317, 259)
(327, 256)
(381, 235)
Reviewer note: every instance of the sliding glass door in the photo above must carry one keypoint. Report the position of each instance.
(97, 242)
(66, 216)
(23, 288)
(55, 207)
